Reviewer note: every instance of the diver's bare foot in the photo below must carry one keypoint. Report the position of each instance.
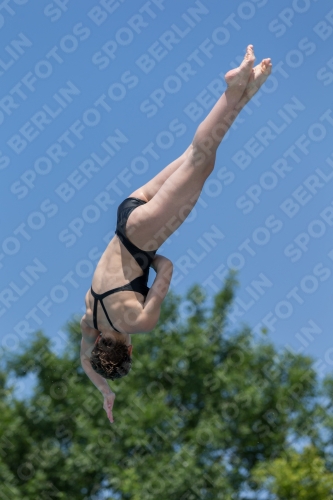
(240, 76)
(259, 75)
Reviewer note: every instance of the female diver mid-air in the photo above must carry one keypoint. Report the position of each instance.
(111, 317)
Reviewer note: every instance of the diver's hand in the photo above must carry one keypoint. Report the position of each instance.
(108, 405)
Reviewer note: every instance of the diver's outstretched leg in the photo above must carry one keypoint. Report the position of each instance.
(236, 79)
(149, 225)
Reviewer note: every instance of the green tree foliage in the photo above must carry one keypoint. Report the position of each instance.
(205, 413)
(296, 475)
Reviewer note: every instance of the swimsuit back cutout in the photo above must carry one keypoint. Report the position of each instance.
(143, 258)
(137, 285)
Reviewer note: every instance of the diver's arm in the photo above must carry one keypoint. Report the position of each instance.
(86, 347)
(157, 293)
(97, 380)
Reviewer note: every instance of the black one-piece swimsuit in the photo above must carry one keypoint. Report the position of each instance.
(143, 258)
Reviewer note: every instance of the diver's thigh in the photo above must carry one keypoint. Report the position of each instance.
(151, 224)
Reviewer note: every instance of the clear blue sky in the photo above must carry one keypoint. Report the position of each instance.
(145, 72)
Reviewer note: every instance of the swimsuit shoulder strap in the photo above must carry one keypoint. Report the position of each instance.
(95, 308)
(139, 285)
(99, 298)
